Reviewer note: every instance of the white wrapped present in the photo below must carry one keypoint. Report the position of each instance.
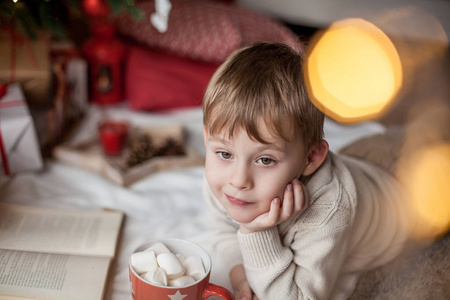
(19, 146)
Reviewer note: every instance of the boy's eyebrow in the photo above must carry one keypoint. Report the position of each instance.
(273, 146)
(217, 139)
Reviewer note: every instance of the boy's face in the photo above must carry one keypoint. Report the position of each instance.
(246, 175)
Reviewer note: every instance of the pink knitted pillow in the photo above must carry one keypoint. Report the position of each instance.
(205, 30)
(256, 27)
(196, 30)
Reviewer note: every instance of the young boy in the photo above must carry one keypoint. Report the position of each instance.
(292, 220)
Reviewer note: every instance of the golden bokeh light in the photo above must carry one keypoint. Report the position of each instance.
(353, 71)
(427, 178)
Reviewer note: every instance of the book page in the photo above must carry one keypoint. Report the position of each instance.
(32, 275)
(77, 232)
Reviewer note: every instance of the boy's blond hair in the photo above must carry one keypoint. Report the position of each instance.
(262, 82)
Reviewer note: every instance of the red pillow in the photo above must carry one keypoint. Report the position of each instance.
(157, 80)
(205, 30)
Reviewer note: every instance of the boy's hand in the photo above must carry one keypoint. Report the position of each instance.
(241, 287)
(296, 199)
(243, 292)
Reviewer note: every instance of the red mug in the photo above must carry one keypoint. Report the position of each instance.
(201, 289)
(113, 135)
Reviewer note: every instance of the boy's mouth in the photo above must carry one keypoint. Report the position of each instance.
(236, 201)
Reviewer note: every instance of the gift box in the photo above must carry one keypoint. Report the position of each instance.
(26, 62)
(19, 147)
(69, 101)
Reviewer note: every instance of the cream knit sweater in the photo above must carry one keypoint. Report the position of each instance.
(356, 221)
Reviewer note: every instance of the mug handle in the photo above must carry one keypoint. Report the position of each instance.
(216, 290)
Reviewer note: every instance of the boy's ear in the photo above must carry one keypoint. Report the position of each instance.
(204, 134)
(316, 157)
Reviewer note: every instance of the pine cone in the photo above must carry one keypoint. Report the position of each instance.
(171, 147)
(141, 149)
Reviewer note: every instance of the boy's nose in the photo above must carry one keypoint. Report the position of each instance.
(241, 177)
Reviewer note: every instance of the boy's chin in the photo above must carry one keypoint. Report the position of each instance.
(240, 219)
(243, 215)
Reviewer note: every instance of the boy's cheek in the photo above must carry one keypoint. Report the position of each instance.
(212, 176)
(208, 167)
(274, 188)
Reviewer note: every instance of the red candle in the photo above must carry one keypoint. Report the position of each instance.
(113, 135)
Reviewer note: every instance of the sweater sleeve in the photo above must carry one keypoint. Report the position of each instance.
(297, 272)
(224, 236)
(305, 262)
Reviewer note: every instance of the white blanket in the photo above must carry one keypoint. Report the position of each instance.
(166, 204)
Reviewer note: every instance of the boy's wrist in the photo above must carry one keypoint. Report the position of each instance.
(245, 230)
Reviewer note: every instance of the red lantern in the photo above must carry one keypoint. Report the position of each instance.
(105, 54)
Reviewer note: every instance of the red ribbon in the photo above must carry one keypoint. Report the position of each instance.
(3, 89)
(3, 155)
(11, 103)
(2, 147)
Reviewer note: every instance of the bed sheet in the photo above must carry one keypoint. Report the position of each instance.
(165, 204)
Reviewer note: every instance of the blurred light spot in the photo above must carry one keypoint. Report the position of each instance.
(427, 178)
(353, 71)
(417, 33)
(422, 44)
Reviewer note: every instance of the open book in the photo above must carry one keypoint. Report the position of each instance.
(56, 254)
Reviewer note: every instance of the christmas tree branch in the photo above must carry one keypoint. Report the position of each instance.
(48, 15)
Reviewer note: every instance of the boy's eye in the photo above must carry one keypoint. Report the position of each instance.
(224, 155)
(266, 161)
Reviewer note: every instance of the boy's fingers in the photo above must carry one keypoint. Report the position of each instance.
(243, 293)
(274, 212)
(298, 195)
(288, 203)
(301, 196)
(242, 296)
(246, 295)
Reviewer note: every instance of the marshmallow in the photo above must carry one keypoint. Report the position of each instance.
(194, 267)
(159, 248)
(143, 262)
(181, 257)
(156, 276)
(170, 264)
(181, 281)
